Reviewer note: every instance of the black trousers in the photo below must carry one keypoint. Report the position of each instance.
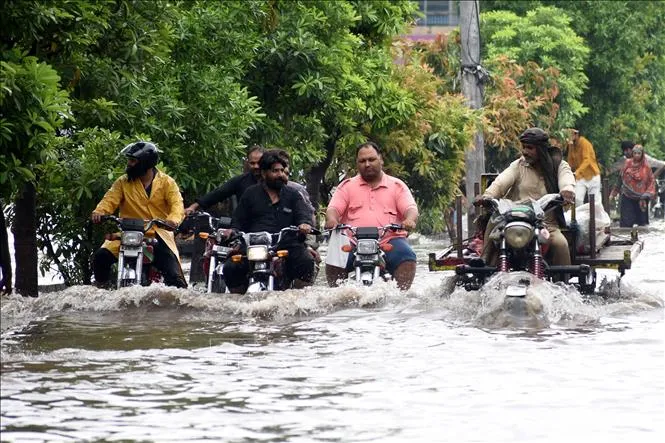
(165, 260)
(631, 214)
(299, 265)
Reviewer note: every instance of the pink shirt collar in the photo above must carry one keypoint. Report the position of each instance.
(382, 184)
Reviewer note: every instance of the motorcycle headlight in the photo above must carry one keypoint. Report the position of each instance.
(366, 247)
(518, 234)
(257, 253)
(132, 238)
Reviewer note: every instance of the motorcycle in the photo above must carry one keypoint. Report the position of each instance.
(267, 261)
(658, 208)
(522, 240)
(136, 254)
(218, 247)
(369, 260)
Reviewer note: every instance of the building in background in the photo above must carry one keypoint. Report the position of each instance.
(441, 16)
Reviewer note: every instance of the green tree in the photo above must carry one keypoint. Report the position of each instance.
(544, 36)
(516, 97)
(204, 79)
(32, 107)
(327, 79)
(215, 49)
(103, 53)
(626, 69)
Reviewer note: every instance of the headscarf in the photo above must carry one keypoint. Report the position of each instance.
(549, 158)
(541, 140)
(638, 182)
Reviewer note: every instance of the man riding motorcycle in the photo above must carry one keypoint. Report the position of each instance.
(375, 199)
(145, 193)
(237, 185)
(271, 206)
(234, 187)
(539, 171)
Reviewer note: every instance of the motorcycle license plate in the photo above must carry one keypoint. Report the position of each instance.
(131, 252)
(221, 249)
(516, 291)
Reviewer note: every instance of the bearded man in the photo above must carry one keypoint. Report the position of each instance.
(271, 206)
(539, 171)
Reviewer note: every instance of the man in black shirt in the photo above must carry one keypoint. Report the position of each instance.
(234, 187)
(270, 206)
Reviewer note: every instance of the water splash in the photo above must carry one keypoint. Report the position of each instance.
(545, 304)
(18, 311)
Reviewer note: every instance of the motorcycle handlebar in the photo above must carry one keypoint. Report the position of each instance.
(486, 202)
(389, 227)
(110, 217)
(236, 233)
(394, 227)
(214, 223)
(161, 223)
(155, 221)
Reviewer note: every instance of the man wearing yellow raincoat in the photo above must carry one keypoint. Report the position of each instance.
(143, 193)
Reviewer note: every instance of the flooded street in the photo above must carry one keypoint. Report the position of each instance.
(344, 364)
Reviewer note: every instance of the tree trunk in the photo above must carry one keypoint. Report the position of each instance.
(318, 193)
(5, 258)
(25, 242)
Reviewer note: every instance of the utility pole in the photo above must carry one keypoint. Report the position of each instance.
(473, 75)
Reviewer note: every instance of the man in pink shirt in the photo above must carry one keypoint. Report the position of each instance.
(375, 199)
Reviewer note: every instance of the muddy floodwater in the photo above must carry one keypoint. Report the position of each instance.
(347, 364)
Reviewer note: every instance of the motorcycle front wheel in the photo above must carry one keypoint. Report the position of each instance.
(126, 283)
(218, 284)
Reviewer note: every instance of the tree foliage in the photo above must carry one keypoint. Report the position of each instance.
(203, 80)
(543, 36)
(518, 95)
(32, 107)
(626, 69)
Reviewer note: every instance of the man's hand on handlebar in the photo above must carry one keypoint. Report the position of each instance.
(305, 228)
(171, 224)
(568, 196)
(331, 224)
(481, 200)
(192, 208)
(96, 217)
(409, 225)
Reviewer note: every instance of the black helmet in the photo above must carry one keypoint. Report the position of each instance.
(535, 136)
(146, 153)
